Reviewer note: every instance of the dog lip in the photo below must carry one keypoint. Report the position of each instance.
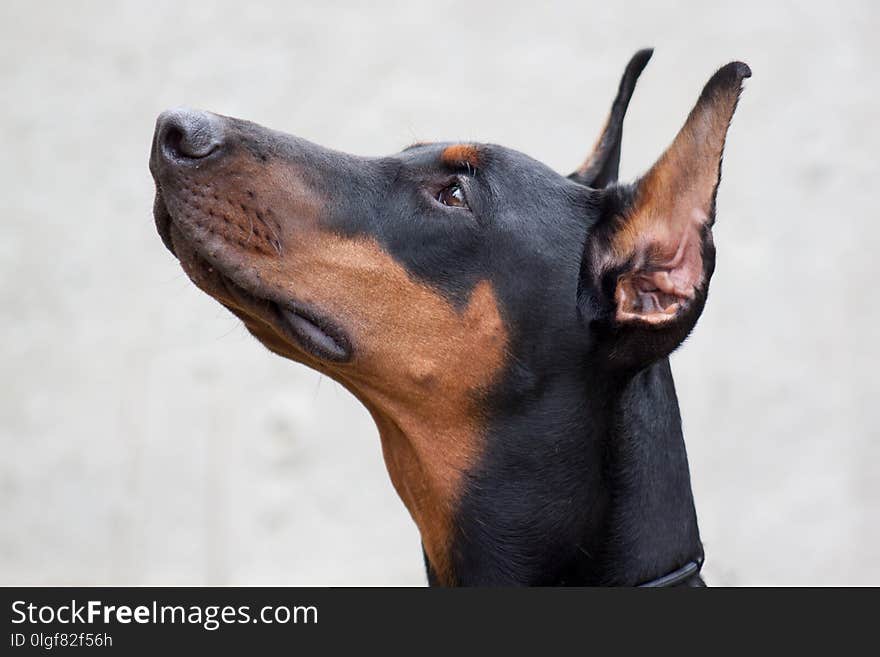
(314, 333)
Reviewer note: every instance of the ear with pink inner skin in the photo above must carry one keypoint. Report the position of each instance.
(652, 253)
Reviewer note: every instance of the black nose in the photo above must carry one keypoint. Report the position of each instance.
(188, 134)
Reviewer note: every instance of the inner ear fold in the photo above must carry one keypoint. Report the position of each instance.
(654, 289)
(652, 252)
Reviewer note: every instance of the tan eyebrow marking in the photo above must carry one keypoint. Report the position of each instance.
(459, 154)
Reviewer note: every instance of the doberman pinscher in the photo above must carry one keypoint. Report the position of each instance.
(507, 327)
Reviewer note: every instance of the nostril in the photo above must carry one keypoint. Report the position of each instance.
(172, 141)
(189, 134)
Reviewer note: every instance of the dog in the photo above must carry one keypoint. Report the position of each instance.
(507, 327)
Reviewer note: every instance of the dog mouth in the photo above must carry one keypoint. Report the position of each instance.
(295, 323)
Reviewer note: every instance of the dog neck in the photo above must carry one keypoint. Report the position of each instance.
(652, 527)
(607, 503)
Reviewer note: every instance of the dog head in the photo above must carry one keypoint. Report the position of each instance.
(450, 285)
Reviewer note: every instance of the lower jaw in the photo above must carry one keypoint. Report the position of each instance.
(304, 329)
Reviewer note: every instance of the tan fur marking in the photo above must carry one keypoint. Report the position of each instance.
(419, 364)
(459, 154)
(420, 367)
(597, 149)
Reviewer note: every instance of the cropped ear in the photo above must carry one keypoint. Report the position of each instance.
(648, 261)
(601, 166)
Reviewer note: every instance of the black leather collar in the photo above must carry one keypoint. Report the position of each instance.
(676, 577)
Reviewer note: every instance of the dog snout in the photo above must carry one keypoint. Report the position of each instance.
(186, 134)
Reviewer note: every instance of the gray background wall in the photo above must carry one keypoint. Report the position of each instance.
(146, 439)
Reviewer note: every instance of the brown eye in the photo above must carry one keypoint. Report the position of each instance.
(453, 196)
